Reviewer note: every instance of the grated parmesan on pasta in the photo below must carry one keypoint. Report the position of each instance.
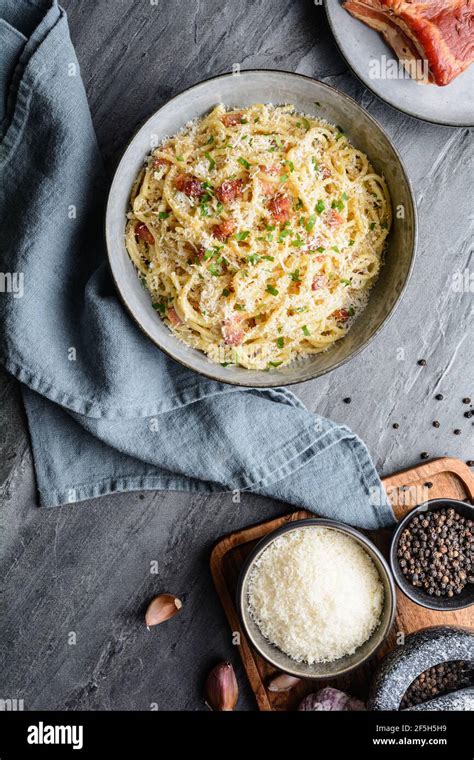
(266, 230)
(316, 594)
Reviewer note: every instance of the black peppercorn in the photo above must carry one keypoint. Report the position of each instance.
(347, 400)
(466, 400)
(439, 397)
(395, 425)
(457, 431)
(468, 414)
(424, 455)
(422, 362)
(436, 423)
(441, 545)
(440, 679)
(470, 462)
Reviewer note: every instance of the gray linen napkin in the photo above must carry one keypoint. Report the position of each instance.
(107, 410)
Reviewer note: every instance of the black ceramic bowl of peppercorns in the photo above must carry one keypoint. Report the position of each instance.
(432, 555)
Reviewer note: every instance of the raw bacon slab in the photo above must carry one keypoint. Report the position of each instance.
(440, 32)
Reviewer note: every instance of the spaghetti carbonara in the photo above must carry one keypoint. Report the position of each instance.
(258, 234)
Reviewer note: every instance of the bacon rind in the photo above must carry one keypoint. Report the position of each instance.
(438, 31)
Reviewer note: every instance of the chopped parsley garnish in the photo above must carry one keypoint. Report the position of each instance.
(320, 249)
(306, 124)
(211, 140)
(283, 234)
(335, 248)
(242, 235)
(338, 204)
(280, 342)
(344, 196)
(315, 163)
(298, 204)
(372, 226)
(295, 276)
(305, 330)
(346, 283)
(208, 254)
(270, 227)
(179, 158)
(204, 209)
(290, 165)
(239, 307)
(163, 214)
(310, 223)
(320, 206)
(219, 208)
(268, 258)
(298, 242)
(274, 364)
(273, 291)
(212, 163)
(244, 121)
(226, 292)
(351, 242)
(160, 306)
(253, 258)
(384, 226)
(351, 311)
(244, 163)
(225, 364)
(215, 270)
(283, 177)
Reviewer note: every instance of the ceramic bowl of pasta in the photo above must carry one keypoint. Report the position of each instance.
(261, 228)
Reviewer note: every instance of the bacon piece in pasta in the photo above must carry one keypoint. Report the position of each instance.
(173, 317)
(224, 230)
(142, 231)
(232, 119)
(232, 331)
(340, 315)
(280, 207)
(230, 190)
(334, 218)
(188, 185)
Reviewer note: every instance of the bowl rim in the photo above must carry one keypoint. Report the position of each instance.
(274, 378)
(343, 528)
(430, 505)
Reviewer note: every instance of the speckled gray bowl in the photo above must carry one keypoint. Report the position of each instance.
(308, 96)
(324, 670)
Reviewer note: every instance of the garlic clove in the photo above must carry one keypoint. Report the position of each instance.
(222, 691)
(161, 608)
(282, 682)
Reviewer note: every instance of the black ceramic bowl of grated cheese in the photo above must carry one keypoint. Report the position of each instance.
(316, 598)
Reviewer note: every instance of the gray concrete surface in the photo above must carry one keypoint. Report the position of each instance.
(85, 569)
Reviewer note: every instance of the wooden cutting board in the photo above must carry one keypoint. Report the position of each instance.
(439, 478)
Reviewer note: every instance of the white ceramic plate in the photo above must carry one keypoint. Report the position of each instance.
(308, 96)
(452, 105)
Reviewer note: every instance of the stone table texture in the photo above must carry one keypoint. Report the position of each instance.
(78, 577)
